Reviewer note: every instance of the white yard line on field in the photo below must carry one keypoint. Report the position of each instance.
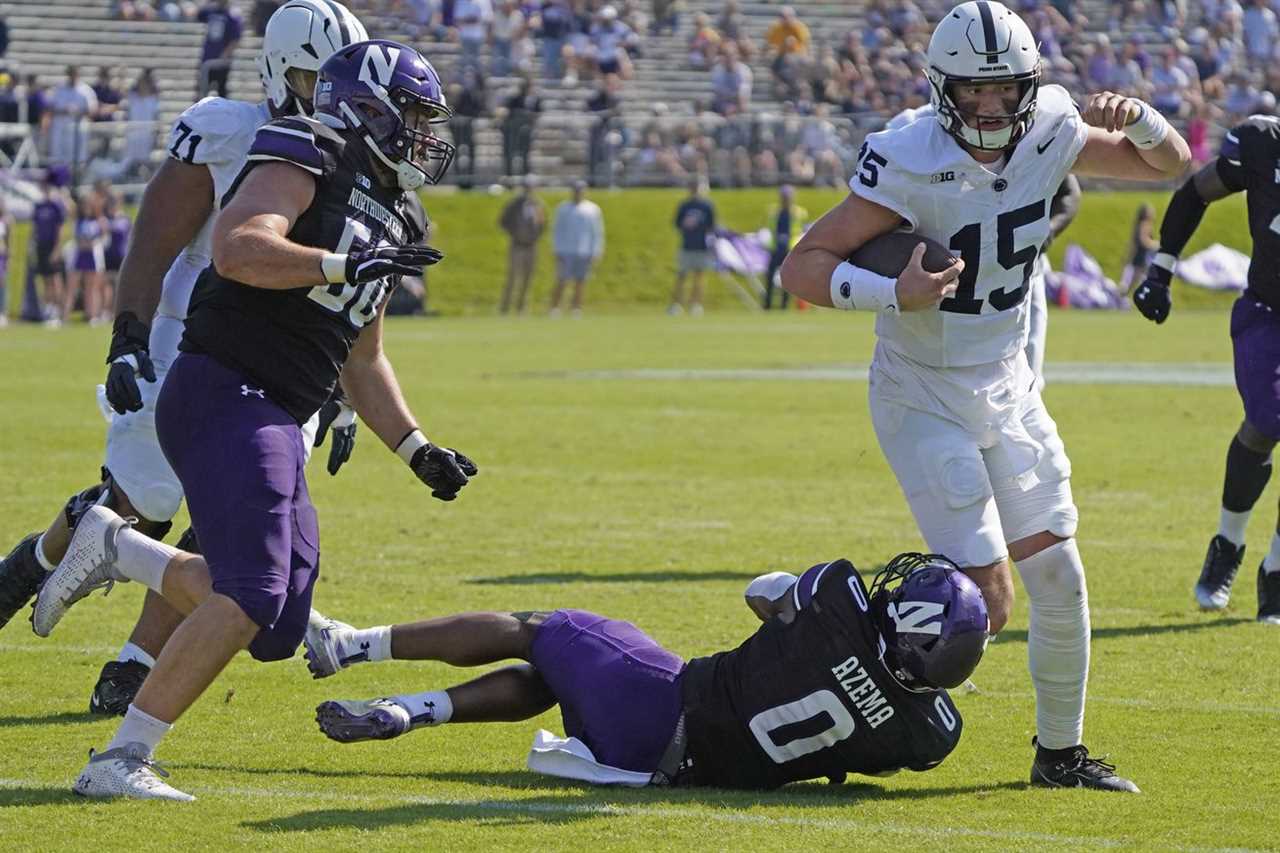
(1214, 375)
(715, 815)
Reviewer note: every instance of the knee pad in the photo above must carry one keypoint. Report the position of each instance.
(1048, 505)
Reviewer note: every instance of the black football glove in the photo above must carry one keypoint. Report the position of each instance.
(129, 358)
(443, 469)
(340, 419)
(381, 261)
(1152, 296)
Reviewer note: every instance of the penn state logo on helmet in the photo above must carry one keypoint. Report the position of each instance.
(934, 622)
(983, 41)
(390, 95)
(299, 37)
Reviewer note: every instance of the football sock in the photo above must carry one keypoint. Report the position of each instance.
(143, 559)
(432, 708)
(41, 558)
(1058, 642)
(1231, 526)
(134, 652)
(365, 644)
(140, 727)
(1247, 474)
(1271, 562)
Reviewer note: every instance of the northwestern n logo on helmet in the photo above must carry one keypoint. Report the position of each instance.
(378, 66)
(914, 617)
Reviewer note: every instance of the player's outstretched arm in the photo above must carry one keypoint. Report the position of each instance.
(1129, 139)
(809, 270)
(371, 386)
(175, 205)
(1153, 297)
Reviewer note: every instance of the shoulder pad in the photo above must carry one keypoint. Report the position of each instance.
(215, 130)
(1256, 128)
(289, 140)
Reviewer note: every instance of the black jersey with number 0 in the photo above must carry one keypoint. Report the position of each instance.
(811, 698)
(293, 342)
(1250, 161)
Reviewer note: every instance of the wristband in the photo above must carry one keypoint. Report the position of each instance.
(334, 268)
(409, 445)
(1165, 261)
(1149, 129)
(856, 289)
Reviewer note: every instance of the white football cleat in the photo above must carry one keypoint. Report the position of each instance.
(323, 644)
(90, 563)
(350, 720)
(126, 772)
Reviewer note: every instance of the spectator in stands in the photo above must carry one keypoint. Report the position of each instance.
(472, 19)
(70, 105)
(696, 221)
(610, 41)
(519, 117)
(1210, 68)
(666, 17)
(142, 109)
(1129, 75)
(4, 48)
(1242, 96)
(1143, 245)
(655, 158)
(730, 83)
(469, 99)
(223, 28)
(508, 26)
(47, 217)
(704, 44)
(790, 70)
(786, 223)
(39, 115)
(788, 34)
(578, 240)
(524, 219)
(1169, 84)
(556, 23)
(1261, 31)
(262, 12)
(10, 113)
(1197, 134)
(108, 94)
(731, 28)
(607, 134)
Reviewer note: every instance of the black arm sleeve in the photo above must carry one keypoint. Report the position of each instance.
(1063, 207)
(1181, 220)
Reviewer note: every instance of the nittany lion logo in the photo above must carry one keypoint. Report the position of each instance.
(378, 65)
(914, 617)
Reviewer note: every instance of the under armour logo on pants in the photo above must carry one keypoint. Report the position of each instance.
(245, 391)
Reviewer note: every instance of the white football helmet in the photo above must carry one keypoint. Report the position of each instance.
(302, 34)
(983, 41)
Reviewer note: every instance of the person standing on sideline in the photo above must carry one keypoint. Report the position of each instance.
(786, 221)
(578, 239)
(695, 220)
(524, 219)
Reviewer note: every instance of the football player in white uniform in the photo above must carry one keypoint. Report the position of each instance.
(170, 248)
(1062, 211)
(953, 401)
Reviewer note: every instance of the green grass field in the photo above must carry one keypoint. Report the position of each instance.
(655, 497)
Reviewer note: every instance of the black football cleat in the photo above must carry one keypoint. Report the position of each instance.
(119, 682)
(1221, 563)
(20, 578)
(1073, 768)
(1268, 596)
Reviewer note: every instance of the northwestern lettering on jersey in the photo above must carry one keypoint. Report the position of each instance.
(389, 220)
(859, 687)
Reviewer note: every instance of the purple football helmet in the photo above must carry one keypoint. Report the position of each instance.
(389, 94)
(934, 623)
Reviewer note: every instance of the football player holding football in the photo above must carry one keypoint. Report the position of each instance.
(1246, 163)
(311, 239)
(954, 403)
(837, 680)
(169, 249)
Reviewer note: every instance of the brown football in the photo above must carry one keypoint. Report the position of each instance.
(888, 254)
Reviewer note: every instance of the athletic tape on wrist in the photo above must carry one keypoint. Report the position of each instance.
(409, 445)
(1165, 261)
(856, 289)
(334, 268)
(1150, 128)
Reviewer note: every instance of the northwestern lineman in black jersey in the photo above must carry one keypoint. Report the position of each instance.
(311, 238)
(1248, 162)
(837, 680)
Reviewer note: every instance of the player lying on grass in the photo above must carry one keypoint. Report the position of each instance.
(837, 680)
